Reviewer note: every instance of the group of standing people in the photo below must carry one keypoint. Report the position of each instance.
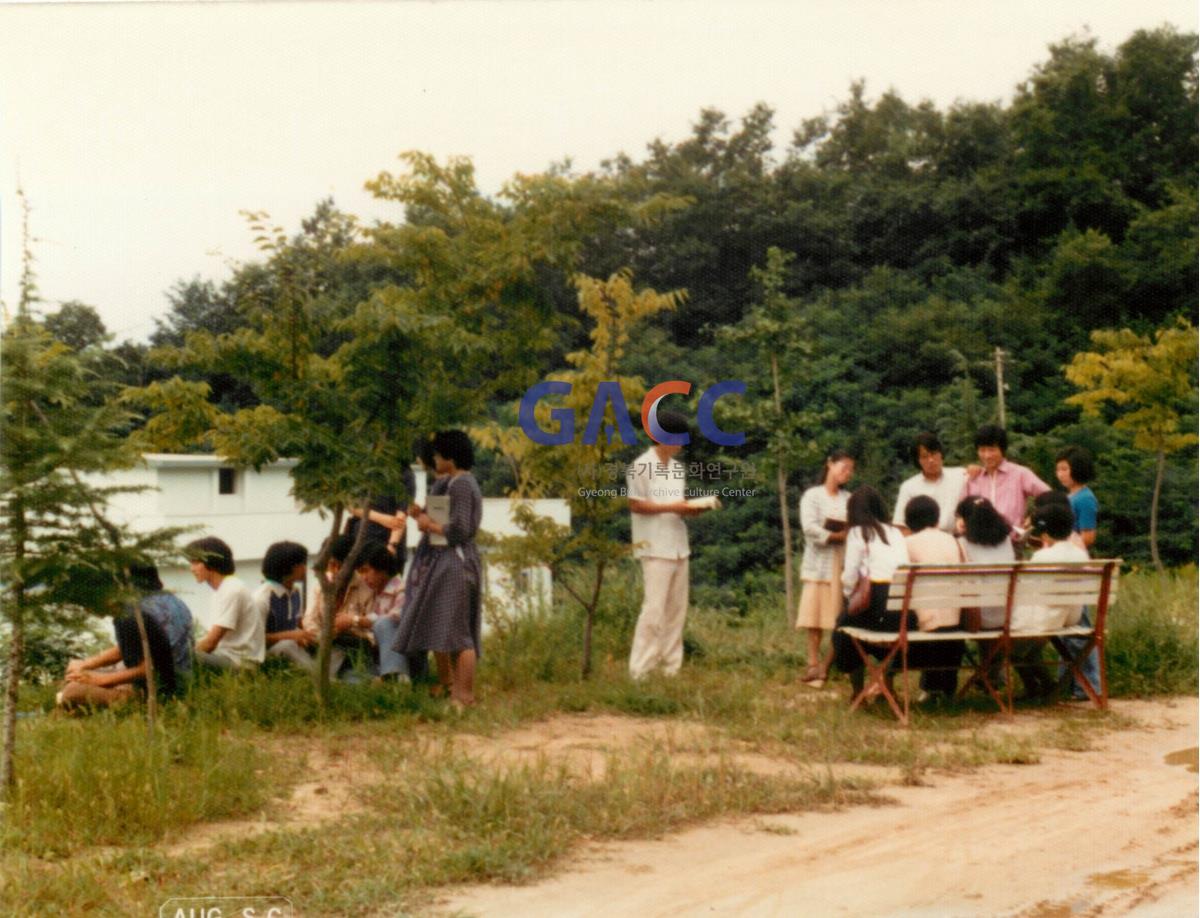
(391, 619)
(943, 515)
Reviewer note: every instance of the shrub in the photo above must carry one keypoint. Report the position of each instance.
(1152, 643)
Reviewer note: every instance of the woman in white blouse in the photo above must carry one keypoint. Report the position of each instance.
(823, 522)
(874, 548)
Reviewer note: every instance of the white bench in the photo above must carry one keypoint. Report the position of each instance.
(1008, 586)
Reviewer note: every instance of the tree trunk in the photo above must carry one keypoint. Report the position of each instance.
(331, 599)
(16, 648)
(586, 669)
(328, 605)
(1158, 480)
(12, 683)
(785, 517)
(151, 682)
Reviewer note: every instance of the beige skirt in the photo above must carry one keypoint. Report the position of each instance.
(821, 600)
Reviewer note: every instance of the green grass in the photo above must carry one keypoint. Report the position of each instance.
(1152, 642)
(104, 781)
(439, 818)
(98, 800)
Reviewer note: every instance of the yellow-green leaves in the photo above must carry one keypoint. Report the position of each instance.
(1149, 382)
(180, 415)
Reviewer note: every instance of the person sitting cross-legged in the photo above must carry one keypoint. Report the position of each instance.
(352, 616)
(280, 603)
(172, 615)
(93, 688)
(236, 638)
(378, 569)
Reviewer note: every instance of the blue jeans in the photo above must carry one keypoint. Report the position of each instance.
(1090, 666)
(392, 662)
(305, 659)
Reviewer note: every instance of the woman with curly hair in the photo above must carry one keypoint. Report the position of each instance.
(442, 604)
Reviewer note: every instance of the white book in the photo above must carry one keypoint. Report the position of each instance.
(438, 508)
(708, 502)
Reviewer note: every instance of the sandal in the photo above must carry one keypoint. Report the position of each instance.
(813, 677)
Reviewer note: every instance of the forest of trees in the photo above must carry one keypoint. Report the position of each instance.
(883, 263)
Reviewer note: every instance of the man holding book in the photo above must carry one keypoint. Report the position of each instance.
(655, 483)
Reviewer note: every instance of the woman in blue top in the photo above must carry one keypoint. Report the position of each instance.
(1074, 468)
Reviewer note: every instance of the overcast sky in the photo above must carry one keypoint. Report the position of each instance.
(139, 131)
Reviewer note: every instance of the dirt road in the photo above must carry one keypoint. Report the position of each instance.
(1111, 831)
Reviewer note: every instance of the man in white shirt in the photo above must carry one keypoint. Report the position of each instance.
(237, 637)
(655, 484)
(944, 485)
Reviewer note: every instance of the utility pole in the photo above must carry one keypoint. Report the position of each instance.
(999, 355)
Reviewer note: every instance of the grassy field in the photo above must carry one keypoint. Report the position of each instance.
(108, 820)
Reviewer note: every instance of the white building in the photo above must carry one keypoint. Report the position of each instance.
(249, 510)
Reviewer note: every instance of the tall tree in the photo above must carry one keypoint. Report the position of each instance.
(77, 325)
(1149, 385)
(57, 547)
(571, 470)
(723, 170)
(1101, 136)
(196, 305)
(775, 331)
(304, 353)
(355, 342)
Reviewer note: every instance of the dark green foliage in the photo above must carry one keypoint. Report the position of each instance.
(49, 646)
(916, 241)
(923, 240)
(76, 325)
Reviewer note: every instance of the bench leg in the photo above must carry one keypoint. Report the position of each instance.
(876, 679)
(1075, 664)
(988, 651)
(1008, 676)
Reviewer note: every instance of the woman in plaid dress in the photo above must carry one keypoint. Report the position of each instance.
(442, 605)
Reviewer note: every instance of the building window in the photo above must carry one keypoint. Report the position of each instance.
(226, 481)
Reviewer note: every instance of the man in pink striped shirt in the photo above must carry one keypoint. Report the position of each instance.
(1007, 485)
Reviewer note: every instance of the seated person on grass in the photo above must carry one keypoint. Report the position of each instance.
(352, 618)
(94, 688)
(378, 568)
(172, 615)
(236, 638)
(280, 602)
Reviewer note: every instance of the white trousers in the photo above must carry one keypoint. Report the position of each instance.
(658, 637)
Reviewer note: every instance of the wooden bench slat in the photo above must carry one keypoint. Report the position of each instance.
(1020, 598)
(949, 600)
(927, 637)
(928, 582)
